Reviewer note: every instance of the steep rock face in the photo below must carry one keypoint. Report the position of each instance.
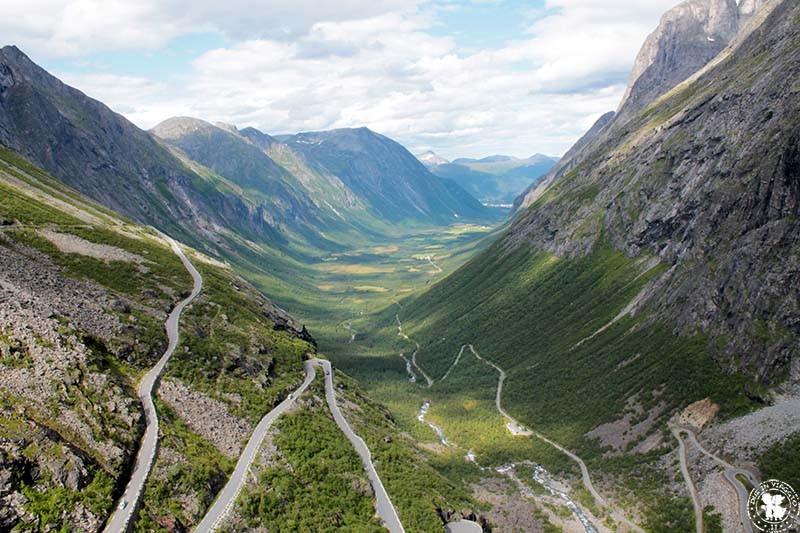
(708, 180)
(383, 173)
(688, 36)
(98, 152)
(535, 189)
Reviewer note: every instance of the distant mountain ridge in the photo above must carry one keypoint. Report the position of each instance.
(495, 179)
(385, 174)
(207, 183)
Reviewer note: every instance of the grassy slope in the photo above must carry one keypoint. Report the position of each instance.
(412, 476)
(527, 311)
(39, 430)
(228, 343)
(316, 482)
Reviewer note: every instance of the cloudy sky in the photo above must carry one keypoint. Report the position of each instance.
(461, 77)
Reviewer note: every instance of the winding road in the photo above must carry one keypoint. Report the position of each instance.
(698, 508)
(518, 429)
(126, 510)
(730, 472)
(227, 497)
(233, 487)
(413, 361)
(383, 504)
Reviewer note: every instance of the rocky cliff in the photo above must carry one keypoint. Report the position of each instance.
(707, 180)
(690, 37)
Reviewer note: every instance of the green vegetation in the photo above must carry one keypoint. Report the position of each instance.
(712, 520)
(230, 347)
(316, 483)
(574, 375)
(780, 461)
(550, 309)
(199, 473)
(410, 475)
(161, 266)
(50, 505)
(47, 498)
(232, 350)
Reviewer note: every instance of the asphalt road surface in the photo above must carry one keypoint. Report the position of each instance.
(230, 492)
(127, 507)
(698, 509)
(383, 505)
(518, 429)
(730, 476)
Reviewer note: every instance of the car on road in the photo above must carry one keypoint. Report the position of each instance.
(122, 505)
(291, 396)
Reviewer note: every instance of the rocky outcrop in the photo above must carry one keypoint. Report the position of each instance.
(708, 180)
(207, 417)
(70, 419)
(688, 36)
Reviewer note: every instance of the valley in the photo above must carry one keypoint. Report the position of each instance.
(208, 327)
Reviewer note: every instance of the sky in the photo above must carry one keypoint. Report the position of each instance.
(464, 78)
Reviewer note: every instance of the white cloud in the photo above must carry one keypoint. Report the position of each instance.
(309, 66)
(58, 28)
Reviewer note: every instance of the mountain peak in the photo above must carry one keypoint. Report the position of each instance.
(227, 127)
(176, 127)
(431, 159)
(497, 159)
(687, 38)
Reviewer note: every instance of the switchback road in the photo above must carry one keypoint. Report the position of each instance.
(126, 510)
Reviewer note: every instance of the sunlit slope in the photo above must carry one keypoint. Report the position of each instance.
(549, 323)
(85, 294)
(660, 270)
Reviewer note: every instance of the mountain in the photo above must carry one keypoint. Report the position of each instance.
(536, 188)
(431, 159)
(659, 269)
(496, 159)
(690, 37)
(89, 147)
(323, 188)
(496, 179)
(85, 297)
(385, 175)
(244, 164)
